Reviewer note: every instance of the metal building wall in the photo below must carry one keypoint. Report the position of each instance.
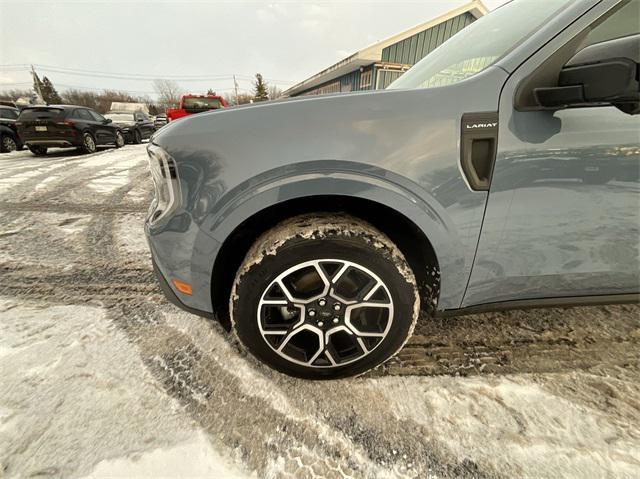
(386, 77)
(406, 52)
(411, 50)
(349, 82)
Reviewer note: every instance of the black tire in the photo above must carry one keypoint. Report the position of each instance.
(365, 255)
(38, 150)
(8, 144)
(88, 143)
(137, 137)
(119, 139)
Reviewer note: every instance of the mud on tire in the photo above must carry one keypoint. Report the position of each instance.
(324, 296)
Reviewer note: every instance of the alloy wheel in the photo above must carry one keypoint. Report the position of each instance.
(89, 144)
(8, 144)
(325, 313)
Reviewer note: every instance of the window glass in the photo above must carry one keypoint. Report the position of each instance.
(479, 45)
(365, 79)
(82, 114)
(41, 113)
(9, 114)
(201, 103)
(624, 21)
(96, 116)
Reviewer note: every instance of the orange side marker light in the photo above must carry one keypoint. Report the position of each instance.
(183, 287)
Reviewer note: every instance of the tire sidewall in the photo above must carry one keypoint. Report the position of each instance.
(4, 149)
(253, 283)
(122, 143)
(84, 145)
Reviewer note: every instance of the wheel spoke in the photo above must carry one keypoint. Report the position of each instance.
(297, 330)
(330, 358)
(337, 331)
(362, 345)
(372, 291)
(323, 275)
(282, 302)
(337, 276)
(286, 292)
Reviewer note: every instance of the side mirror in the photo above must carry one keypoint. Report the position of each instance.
(107, 121)
(602, 73)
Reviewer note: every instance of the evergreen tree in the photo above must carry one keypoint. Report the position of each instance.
(260, 89)
(49, 92)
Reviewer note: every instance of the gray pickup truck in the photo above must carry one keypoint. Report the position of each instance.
(501, 171)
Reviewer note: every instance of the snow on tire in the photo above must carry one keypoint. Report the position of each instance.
(324, 296)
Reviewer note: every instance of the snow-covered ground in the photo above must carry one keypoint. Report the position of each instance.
(101, 377)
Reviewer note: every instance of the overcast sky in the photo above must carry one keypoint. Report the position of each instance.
(286, 41)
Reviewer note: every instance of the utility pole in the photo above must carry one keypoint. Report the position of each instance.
(235, 87)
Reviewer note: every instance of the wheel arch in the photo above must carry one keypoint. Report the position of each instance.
(411, 239)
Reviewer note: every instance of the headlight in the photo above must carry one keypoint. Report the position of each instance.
(166, 183)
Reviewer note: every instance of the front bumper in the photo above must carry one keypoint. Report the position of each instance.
(180, 250)
(128, 134)
(171, 296)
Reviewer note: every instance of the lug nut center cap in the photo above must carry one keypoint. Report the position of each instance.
(326, 312)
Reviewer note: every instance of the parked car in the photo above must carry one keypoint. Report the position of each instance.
(9, 138)
(136, 126)
(160, 120)
(493, 174)
(192, 104)
(66, 126)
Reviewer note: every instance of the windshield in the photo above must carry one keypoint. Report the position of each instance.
(479, 45)
(41, 114)
(201, 103)
(119, 116)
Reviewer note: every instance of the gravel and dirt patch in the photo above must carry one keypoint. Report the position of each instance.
(101, 377)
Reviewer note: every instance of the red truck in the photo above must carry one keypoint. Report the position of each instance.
(190, 104)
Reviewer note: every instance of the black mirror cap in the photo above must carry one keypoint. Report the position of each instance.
(602, 73)
(108, 120)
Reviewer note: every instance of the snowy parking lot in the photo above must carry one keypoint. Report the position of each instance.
(101, 377)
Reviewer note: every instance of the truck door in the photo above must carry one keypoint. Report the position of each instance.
(563, 214)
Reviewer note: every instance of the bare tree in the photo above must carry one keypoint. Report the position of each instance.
(274, 92)
(81, 98)
(14, 94)
(168, 92)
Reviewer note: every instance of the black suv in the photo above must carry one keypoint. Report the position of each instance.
(66, 126)
(9, 138)
(136, 126)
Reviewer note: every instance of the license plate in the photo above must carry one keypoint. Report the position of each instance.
(41, 128)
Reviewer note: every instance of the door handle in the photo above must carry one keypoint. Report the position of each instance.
(478, 146)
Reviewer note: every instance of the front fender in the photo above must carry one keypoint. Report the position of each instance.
(5, 130)
(327, 178)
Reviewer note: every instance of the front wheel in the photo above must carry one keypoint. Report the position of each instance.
(137, 137)
(119, 139)
(7, 144)
(324, 297)
(88, 143)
